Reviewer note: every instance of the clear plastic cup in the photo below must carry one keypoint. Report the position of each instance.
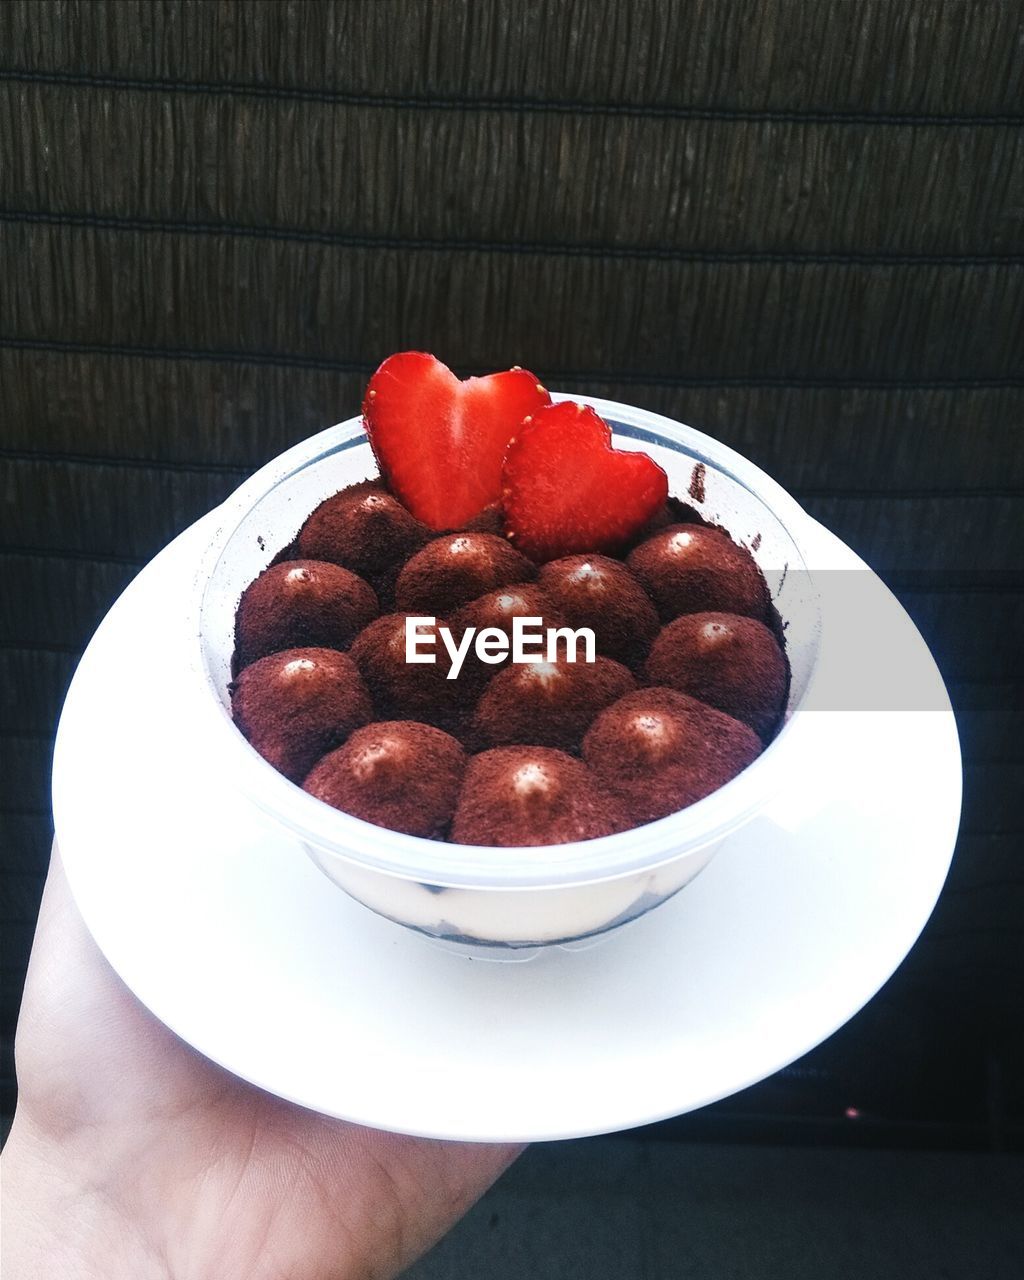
(508, 901)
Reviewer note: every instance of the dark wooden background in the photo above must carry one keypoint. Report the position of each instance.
(797, 226)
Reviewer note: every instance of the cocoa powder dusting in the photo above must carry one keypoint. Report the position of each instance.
(697, 482)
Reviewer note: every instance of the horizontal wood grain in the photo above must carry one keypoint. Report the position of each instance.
(796, 226)
(983, 859)
(967, 932)
(49, 601)
(11, 984)
(16, 943)
(875, 57)
(19, 896)
(974, 636)
(988, 717)
(25, 840)
(954, 535)
(106, 510)
(576, 180)
(236, 415)
(33, 683)
(992, 805)
(655, 318)
(25, 776)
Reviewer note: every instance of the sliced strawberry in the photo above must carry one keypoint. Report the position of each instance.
(566, 489)
(440, 442)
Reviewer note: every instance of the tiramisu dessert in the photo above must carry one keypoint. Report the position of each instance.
(513, 635)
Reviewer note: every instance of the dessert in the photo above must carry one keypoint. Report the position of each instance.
(453, 570)
(403, 690)
(497, 609)
(672, 511)
(549, 704)
(690, 568)
(497, 513)
(495, 612)
(490, 520)
(301, 603)
(396, 773)
(364, 529)
(657, 750)
(600, 593)
(729, 662)
(297, 705)
(530, 796)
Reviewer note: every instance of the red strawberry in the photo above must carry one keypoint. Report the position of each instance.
(566, 489)
(440, 442)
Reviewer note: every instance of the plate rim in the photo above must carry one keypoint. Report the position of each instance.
(177, 549)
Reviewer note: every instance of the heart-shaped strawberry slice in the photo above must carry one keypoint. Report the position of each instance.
(566, 489)
(440, 442)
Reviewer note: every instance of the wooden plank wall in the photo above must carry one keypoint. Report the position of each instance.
(798, 227)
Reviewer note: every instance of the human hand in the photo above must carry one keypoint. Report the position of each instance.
(132, 1155)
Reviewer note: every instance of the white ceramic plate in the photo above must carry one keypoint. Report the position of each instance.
(229, 934)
